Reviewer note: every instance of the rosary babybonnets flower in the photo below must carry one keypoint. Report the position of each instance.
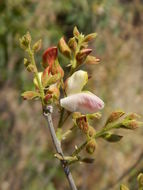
(77, 100)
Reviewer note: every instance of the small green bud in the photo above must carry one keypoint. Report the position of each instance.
(76, 32)
(31, 68)
(140, 179)
(37, 46)
(91, 131)
(91, 146)
(123, 187)
(26, 62)
(25, 41)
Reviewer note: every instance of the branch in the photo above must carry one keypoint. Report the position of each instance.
(47, 113)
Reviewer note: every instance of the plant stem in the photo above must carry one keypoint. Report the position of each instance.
(48, 115)
(31, 55)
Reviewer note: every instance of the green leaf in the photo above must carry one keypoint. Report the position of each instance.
(29, 95)
(110, 137)
(87, 160)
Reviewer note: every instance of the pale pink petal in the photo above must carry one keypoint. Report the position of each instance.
(82, 102)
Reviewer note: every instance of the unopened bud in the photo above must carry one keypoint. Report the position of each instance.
(72, 43)
(91, 131)
(91, 60)
(123, 187)
(37, 46)
(82, 123)
(90, 37)
(25, 41)
(114, 116)
(140, 179)
(131, 124)
(82, 55)
(132, 116)
(91, 146)
(26, 62)
(75, 32)
(64, 48)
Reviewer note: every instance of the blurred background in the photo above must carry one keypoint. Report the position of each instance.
(26, 151)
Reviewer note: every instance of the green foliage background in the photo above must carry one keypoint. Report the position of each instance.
(26, 152)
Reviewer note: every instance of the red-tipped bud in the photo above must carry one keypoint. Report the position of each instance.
(82, 123)
(49, 56)
(82, 55)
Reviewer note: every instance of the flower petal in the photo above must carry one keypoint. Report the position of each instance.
(82, 102)
(76, 82)
(49, 56)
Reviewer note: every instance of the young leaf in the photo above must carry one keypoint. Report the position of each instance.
(110, 137)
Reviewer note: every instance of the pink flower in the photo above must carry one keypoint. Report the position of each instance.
(84, 102)
(78, 100)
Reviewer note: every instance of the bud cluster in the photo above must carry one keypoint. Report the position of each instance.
(76, 49)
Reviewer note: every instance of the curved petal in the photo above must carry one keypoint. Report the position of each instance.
(82, 102)
(49, 56)
(76, 82)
